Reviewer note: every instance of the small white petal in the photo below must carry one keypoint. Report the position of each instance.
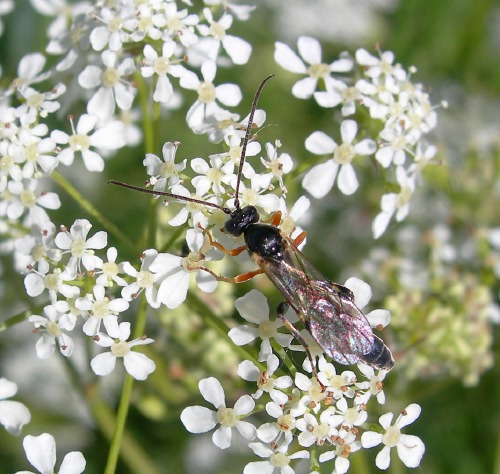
(198, 419)
(319, 180)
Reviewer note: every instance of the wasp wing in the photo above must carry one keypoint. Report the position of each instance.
(327, 309)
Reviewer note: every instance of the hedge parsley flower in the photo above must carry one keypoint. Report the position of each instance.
(319, 179)
(409, 447)
(162, 66)
(108, 275)
(13, 415)
(206, 105)
(26, 196)
(266, 383)
(198, 419)
(100, 308)
(51, 326)
(41, 453)
(173, 272)
(80, 248)
(145, 280)
(394, 203)
(112, 87)
(164, 173)
(254, 308)
(309, 63)
(136, 364)
(277, 458)
(216, 36)
(108, 136)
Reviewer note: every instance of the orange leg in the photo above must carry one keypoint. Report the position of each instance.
(300, 238)
(214, 243)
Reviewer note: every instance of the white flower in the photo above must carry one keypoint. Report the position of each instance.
(41, 453)
(344, 443)
(320, 178)
(310, 50)
(312, 397)
(100, 308)
(43, 102)
(179, 24)
(57, 319)
(314, 431)
(196, 210)
(113, 89)
(109, 136)
(254, 308)
(409, 447)
(39, 280)
(247, 370)
(26, 196)
(212, 176)
(277, 164)
(373, 387)
(81, 249)
(198, 419)
(173, 273)
(162, 66)
(164, 173)
(383, 65)
(145, 280)
(393, 203)
(236, 48)
(277, 459)
(13, 415)
(284, 425)
(114, 31)
(29, 71)
(136, 364)
(338, 385)
(36, 154)
(110, 269)
(351, 416)
(39, 243)
(206, 106)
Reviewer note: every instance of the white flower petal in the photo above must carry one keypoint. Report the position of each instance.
(319, 180)
(410, 450)
(198, 419)
(288, 59)
(138, 365)
(212, 392)
(41, 451)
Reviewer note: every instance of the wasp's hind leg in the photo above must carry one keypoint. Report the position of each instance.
(280, 312)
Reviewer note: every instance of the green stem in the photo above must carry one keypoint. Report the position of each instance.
(121, 417)
(88, 207)
(215, 322)
(20, 317)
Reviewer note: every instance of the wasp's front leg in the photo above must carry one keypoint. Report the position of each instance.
(232, 252)
(280, 312)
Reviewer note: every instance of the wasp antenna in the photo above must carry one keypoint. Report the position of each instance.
(247, 137)
(170, 195)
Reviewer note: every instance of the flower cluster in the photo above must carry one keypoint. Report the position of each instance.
(329, 412)
(385, 90)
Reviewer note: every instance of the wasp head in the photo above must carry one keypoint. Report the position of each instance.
(240, 219)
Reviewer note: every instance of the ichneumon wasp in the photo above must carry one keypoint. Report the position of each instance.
(326, 309)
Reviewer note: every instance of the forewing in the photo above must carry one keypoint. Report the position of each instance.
(326, 309)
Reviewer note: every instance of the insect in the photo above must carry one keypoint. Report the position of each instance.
(326, 309)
